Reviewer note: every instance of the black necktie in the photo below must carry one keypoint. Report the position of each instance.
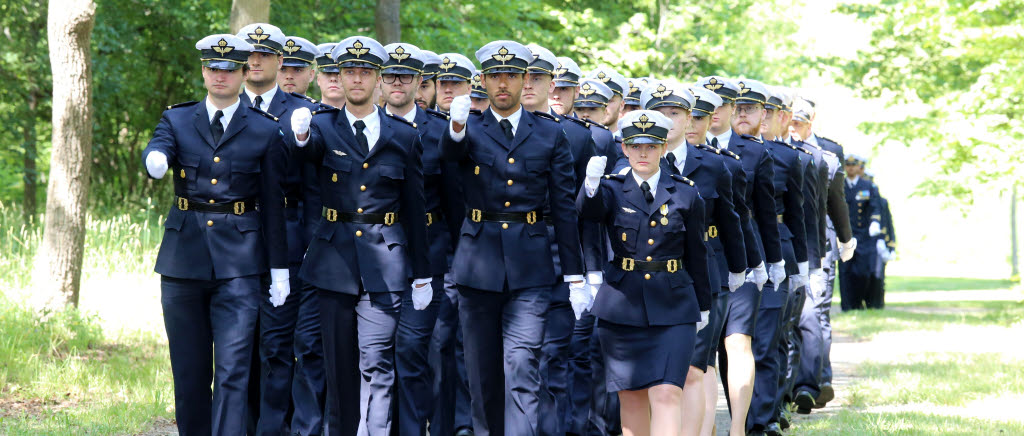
(671, 158)
(360, 137)
(216, 128)
(714, 142)
(647, 192)
(506, 126)
(258, 102)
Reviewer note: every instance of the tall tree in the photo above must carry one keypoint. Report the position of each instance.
(248, 11)
(58, 267)
(388, 24)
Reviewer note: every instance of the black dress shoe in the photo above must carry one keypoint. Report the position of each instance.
(784, 417)
(773, 429)
(464, 432)
(804, 402)
(827, 394)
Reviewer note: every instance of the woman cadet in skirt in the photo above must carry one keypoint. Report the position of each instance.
(656, 293)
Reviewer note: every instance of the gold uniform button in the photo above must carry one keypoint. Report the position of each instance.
(504, 225)
(213, 181)
(647, 276)
(362, 188)
(507, 204)
(653, 223)
(649, 258)
(365, 165)
(511, 161)
(216, 159)
(510, 182)
(360, 210)
(211, 201)
(359, 233)
(334, 177)
(209, 223)
(650, 242)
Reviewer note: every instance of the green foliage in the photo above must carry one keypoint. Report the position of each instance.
(955, 68)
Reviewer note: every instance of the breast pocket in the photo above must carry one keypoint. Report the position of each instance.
(627, 227)
(245, 177)
(188, 169)
(537, 167)
(482, 165)
(336, 168)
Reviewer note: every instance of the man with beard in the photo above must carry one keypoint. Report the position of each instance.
(426, 93)
(297, 66)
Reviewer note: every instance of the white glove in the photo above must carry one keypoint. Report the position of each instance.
(847, 249)
(300, 120)
(595, 169)
(579, 298)
(705, 317)
(874, 229)
(459, 112)
(802, 278)
(156, 164)
(422, 296)
(594, 281)
(735, 281)
(816, 282)
(758, 276)
(777, 272)
(280, 287)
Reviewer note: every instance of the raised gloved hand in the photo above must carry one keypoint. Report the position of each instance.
(736, 280)
(801, 278)
(280, 287)
(422, 294)
(758, 276)
(156, 164)
(579, 297)
(777, 273)
(846, 249)
(595, 169)
(705, 316)
(874, 229)
(300, 121)
(594, 281)
(460, 109)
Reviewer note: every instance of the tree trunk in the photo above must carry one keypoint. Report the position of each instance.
(58, 264)
(31, 176)
(389, 27)
(244, 12)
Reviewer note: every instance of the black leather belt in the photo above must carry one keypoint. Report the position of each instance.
(477, 215)
(333, 215)
(234, 207)
(434, 216)
(627, 264)
(291, 202)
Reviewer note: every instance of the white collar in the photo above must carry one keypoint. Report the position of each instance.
(852, 181)
(410, 116)
(372, 129)
(514, 118)
(229, 111)
(680, 153)
(723, 139)
(268, 97)
(652, 181)
(813, 139)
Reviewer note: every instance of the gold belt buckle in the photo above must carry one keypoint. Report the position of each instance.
(476, 215)
(332, 215)
(239, 207)
(182, 203)
(779, 217)
(389, 218)
(673, 265)
(713, 231)
(430, 218)
(628, 264)
(531, 217)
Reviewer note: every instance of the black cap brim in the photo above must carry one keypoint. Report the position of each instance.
(643, 140)
(399, 70)
(452, 78)
(588, 103)
(329, 69)
(477, 94)
(566, 83)
(289, 62)
(359, 64)
(222, 65)
(502, 70)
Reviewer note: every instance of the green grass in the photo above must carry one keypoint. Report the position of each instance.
(856, 422)
(62, 375)
(910, 284)
(865, 324)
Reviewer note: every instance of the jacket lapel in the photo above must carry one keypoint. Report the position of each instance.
(386, 132)
(665, 189)
(493, 130)
(631, 191)
(279, 105)
(202, 123)
(524, 130)
(692, 162)
(344, 129)
(237, 124)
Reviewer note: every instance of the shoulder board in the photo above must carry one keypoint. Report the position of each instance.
(475, 111)
(729, 153)
(402, 119)
(805, 150)
(709, 148)
(616, 177)
(752, 138)
(577, 121)
(257, 110)
(187, 103)
(438, 114)
(545, 115)
(325, 109)
(814, 145)
(800, 149)
(828, 153)
(304, 97)
(830, 140)
(682, 179)
(589, 123)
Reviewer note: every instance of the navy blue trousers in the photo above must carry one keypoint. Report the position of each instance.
(554, 364)
(414, 389)
(447, 361)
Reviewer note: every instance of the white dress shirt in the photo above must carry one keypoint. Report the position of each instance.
(410, 116)
(372, 129)
(228, 112)
(723, 139)
(514, 119)
(680, 153)
(268, 97)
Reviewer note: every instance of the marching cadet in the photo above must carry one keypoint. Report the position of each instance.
(454, 79)
(328, 77)
(705, 167)
(426, 94)
(591, 105)
(656, 294)
(559, 317)
(737, 363)
(617, 83)
(295, 325)
(886, 251)
(297, 68)
(631, 97)
(865, 224)
(371, 240)
(512, 162)
(875, 295)
(567, 82)
(225, 230)
(477, 94)
(400, 79)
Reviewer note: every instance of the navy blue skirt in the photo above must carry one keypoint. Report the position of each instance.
(641, 357)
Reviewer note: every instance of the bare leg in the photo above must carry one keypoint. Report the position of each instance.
(635, 411)
(693, 402)
(666, 402)
(707, 427)
(741, 380)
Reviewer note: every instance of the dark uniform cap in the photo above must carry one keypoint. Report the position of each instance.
(751, 92)
(786, 96)
(403, 58)
(610, 77)
(664, 93)
(477, 87)
(299, 52)
(705, 101)
(543, 60)
(773, 99)
(504, 57)
(324, 62)
(431, 62)
(593, 93)
(223, 51)
(644, 127)
(567, 73)
(855, 159)
(455, 67)
(359, 52)
(265, 38)
(726, 88)
(634, 88)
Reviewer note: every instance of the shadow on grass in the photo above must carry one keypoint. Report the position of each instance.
(855, 422)
(910, 284)
(864, 324)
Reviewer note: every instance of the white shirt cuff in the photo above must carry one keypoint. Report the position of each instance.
(595, 277)
(302, 143)
(418, 282)
(591, 184)
(279, 274)
(457, 137)
(573, 278)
